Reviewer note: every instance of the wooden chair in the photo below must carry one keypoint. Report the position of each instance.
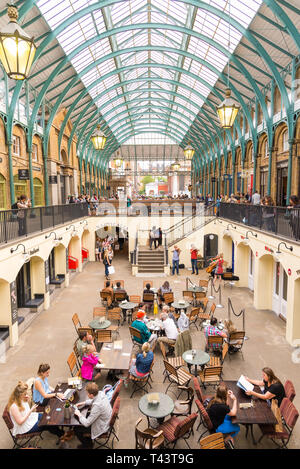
(215, 343)
(218, 361)
(106, 298)
(116, 392)
(73, 366)
(115, 315)
(177, 362)
(204, 419)
(174, 429)
(214, 441)
(145, 283)
(99, 311)
(203, 315)
(168, 298)
(212, 309)
(236, 340)
(77, 355)
(289, 416)
(135, 334)
(139, 384)
(188, 296)
(203, 283)
(103, 336)
(200, 396)
(210, 376)
(20, 441)
(120, 296)
(199, 296)
(148, 438)
(98, 442)
(193, 317)
(290, 392)
(148, 299)
(135, 299)
(184, 407)
(76, 322)
(177, 376)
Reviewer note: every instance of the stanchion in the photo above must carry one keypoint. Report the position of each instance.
(220, 298)
(211, 297)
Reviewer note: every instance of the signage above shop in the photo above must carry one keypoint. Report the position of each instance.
(33, 251)
(23, 174)
(53, 179)
(36, 168)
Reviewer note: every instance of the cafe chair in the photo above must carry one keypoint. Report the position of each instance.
(148, 438)
(76, 353)
(120, 296)
(218, 361)
(200, 396)
(99, 311)
(115, 315)
(168, 298)
(20, 441)
(199, 297)
(203, 315)
(139, 384)
(211, 376)
(215, 343)
(204, 420)
(236, 341)
(148, 300)
(106, 298)
(175, 429)
(87, 329)
(135, 299)
(203, 283)
(73, 365)
(145, 283)
(103, 336)
(98, 443)
(179, 376)
(188, 296)
(116, 392)
(290, 392)
(193, 317)
(284, 431)
(184, 408)
(177, 362)
(214, 441)
(76, 322)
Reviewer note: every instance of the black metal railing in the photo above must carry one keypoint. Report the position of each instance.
(16, 224)
(280, 221)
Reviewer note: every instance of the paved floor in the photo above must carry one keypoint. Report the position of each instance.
(50, 338)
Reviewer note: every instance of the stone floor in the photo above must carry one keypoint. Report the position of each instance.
(50, 338)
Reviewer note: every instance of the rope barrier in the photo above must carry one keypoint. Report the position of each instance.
(237, 315)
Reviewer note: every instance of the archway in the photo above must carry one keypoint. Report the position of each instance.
(263, 282)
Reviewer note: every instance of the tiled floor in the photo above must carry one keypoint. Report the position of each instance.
(50, 338)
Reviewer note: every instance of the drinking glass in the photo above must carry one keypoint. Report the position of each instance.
(47, 410)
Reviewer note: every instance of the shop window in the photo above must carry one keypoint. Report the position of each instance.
(34, 152)
(16, 145)
(20, 187)
(265, 153)
(285, 141)
(38, 192)
(263, 183)
(2, 192)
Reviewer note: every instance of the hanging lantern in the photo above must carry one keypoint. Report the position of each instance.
(189, 152)
(118, 161)
(175, 166)
(98, 139)
(227, 111)
(17, 49)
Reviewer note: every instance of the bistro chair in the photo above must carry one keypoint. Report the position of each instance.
(148, 300)
(76, 353)
(148, 438)
(200, 396)
(139, 384)
(168, 298)
(179, 376)
(115, 315)
(76, 322)
(116, 392)
(210, 376)
(199, 296)
(20, 441)
(215, 343)
(106, 298)
(218, 361)
(193, 316)
(99, 311)
(135, 334)
(290, 392)
(73, 365)
(86, 329)
(120, 296)
(184, 408)
(103, 336)
(284, 431)
(203, 283)
(177, 362)
(214, 441)
(203, 315)
(236, 341)
(98, 443)
(135, 299)
(188, 296)
(175, 429)
(145, 283)
(204, 419)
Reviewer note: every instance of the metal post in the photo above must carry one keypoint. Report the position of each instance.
(220, 298)
(211, 297)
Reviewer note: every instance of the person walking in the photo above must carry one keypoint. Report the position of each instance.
(175, 260)
(194, 256)
(152, 236)
(106, 263)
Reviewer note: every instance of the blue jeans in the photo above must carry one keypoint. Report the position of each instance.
(106, 269)
(175, 267)
(194, 266)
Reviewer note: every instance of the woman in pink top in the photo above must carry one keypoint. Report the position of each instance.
(89, 361)
(219, 268)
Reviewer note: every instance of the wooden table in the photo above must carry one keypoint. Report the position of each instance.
(195, 290)
(115, 359)
(57, 416)
(261, 413)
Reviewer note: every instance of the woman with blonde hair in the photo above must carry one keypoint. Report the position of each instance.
(106, 262)
(141, 366)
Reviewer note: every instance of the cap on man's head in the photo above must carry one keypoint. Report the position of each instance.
(140, 314)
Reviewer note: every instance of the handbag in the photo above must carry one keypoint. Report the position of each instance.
(108, 390)
(111, 269)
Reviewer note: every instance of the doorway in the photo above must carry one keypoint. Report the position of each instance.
(282, 177)
(51, 265)
(210, 246)
(23, 286)
(251, 270)
(279, 303)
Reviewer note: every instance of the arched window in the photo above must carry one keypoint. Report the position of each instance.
(38, 192)
(285, 141)
(2, 192)
(20, 186)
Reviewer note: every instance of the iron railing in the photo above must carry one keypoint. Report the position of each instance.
(280, 221)
(15, 224)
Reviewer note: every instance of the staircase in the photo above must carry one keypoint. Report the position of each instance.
(150, 262)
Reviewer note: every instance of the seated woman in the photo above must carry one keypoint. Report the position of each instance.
(89, 370)
(42, 392)
(229, 329)
(165, 288)
(220, 410)
(141, 366)
(24, 418)
(273, 388)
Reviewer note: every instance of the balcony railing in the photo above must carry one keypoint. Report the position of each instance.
(21, 223)
(280, 221)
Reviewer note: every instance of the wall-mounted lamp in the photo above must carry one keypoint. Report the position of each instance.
(253, 234)
(69, 227)
(25, 254)
(55, 240)
(230, 224)
(277, 255)
(85, 224)
(217, 220)
(74, 232)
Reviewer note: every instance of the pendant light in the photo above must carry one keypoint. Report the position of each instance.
(189, 152)
(228, 109)
(175, 166)
(98, 138)
(118, 161)
(17, 49)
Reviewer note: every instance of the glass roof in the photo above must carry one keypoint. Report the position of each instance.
(154, 64)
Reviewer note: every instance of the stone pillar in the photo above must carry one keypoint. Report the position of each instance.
(263, 282)
(242, 264)
(292, 314)
(53, 182)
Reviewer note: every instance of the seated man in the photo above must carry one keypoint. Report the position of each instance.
(170, 330)
(146, 335)
(183, 322)
(119, 289)
(84, 340)
(214, 330)
(98, 420)
(108, 288)
(148, 290)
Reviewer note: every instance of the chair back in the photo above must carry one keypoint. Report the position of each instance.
(203, 283)
(115, 314)
(135, 299)
(170, 369)
(163, 350)
(185, 426)
(105, 295)
(103, 335)
(87, 329)
(76, 353)
(198, 390)
(212, 309)
(194, 313)
(204, 303)
(214, 340)
(204, 416)
(289, 390)
(289, 413)
(212, 372)
(168, 298)
(145, 283)
(135, 333)
(115, 412)
(224, 351)
(145, 439)
(76, 321)
(99, 311)
(120, 296)
(72, 363)
(116, 392)
(7, 419)
(214, 441)
(200, 295)
(187, 294)
(238, 335)
(148, 296)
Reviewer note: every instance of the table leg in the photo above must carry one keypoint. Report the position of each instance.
(196, 374)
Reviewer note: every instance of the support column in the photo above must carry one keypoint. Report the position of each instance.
(292, 316)
(263, 282)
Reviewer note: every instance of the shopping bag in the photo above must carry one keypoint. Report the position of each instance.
(111, 269)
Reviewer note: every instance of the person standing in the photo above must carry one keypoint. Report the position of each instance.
(106, 262)
(175, 260)
(194, 256)
(23, 204)
(255, 198)
(152, 236)
(159, 237)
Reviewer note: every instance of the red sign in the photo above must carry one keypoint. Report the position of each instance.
(268, 249)
(289, 272)
(256, 254)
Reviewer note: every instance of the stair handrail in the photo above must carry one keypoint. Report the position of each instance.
(190, 217)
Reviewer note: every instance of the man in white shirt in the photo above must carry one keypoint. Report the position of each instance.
(256, 198)
(170, 329)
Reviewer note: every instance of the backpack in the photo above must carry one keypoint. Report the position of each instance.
(108, 390)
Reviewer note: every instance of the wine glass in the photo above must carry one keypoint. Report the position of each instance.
(71, 398)
(47, 410)
(59, 386)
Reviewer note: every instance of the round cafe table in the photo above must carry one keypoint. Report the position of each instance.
(159, 411)
(200, 359)
(195, 290)
(128, 306)
(96, 325)
(179, 306)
